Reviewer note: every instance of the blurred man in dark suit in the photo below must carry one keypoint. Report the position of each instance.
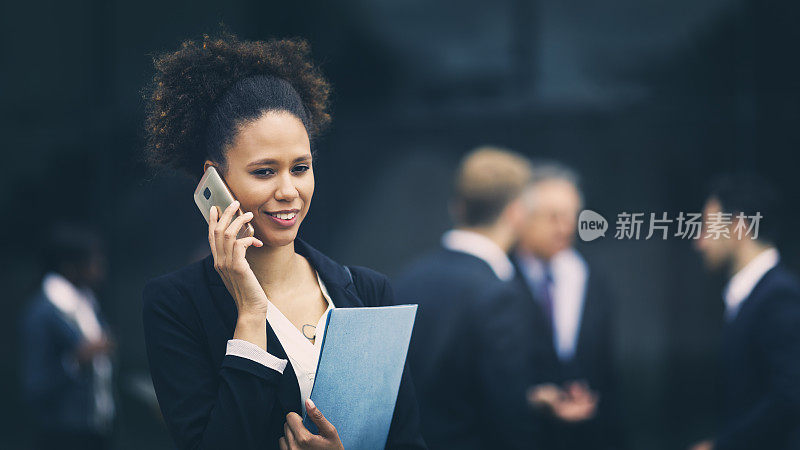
(66, 367)
(761, 341)
(571, 312)
(466, 356)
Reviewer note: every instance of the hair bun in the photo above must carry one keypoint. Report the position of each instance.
(189, 81)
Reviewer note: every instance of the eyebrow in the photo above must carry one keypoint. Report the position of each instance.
(275, 161)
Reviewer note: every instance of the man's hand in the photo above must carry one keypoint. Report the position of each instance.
(580, 403)
(575, 403)
(297, 436)
(544, 396)
(88, 349)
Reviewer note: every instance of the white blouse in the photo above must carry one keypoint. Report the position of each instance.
(303, 355)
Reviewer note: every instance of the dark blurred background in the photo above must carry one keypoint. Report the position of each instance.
(645, 99)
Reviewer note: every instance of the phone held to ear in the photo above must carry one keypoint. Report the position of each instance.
(212, 191)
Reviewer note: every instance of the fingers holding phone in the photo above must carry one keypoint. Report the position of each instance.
(229, 228)
(229, 259)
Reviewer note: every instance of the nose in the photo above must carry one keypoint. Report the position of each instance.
(286, 190)
(700, 244)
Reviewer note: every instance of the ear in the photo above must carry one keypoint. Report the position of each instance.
(456, 211)
(208, 164)
(514, 213)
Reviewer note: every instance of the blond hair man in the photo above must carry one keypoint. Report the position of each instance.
(469, 373)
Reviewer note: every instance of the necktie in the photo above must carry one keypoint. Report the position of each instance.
(546, 294)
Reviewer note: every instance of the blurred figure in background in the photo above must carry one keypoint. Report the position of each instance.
(466, 361)
(761, 339)
(571, 314)
(66, 367)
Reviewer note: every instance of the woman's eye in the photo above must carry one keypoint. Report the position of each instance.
(301, 169)
(262, 172)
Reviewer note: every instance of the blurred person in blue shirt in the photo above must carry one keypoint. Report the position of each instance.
(67, 348)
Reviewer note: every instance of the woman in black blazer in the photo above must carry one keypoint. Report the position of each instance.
(251, 109)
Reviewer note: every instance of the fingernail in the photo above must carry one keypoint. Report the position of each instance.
(310, 404)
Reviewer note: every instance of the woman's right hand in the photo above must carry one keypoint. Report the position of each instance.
(297, 437)
(230, 262)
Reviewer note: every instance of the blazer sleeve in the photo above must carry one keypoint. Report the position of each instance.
(779, 409)
(404, 431)
(204, 406)
(503, 368)
(609, 410)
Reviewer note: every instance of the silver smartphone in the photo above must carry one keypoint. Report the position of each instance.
(212, 191)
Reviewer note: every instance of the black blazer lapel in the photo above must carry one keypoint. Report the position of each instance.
(337, 281)
(755, 297)
(593, 314)
(535, 308)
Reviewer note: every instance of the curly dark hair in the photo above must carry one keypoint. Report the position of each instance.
(202, 92)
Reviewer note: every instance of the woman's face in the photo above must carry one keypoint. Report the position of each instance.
(269, 171)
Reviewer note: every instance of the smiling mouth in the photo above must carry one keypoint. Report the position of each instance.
(284, 215)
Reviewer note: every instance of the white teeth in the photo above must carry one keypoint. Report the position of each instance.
(285, 216)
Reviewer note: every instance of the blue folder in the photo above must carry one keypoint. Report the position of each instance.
(358, 375)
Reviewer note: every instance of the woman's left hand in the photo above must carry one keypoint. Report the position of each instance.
(297, 436)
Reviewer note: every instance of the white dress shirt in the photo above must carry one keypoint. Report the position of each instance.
(482, 247)
(742, 283)
(570, 274)
(303, 354)
(77, 306)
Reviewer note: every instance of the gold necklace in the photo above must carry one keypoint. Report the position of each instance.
(313, 335)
